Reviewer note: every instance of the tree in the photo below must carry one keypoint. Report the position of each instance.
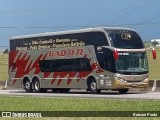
(154, 43)
(5, 51)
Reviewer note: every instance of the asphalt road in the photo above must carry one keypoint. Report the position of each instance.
(83, 94)
(153, 93)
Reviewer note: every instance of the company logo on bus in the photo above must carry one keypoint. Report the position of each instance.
(126, 36)
(67, 52)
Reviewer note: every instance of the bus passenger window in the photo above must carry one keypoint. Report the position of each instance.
(83, 64)
(65, 65)
(105, 63)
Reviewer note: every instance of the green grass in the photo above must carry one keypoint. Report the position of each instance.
(154, 65)
(3, 67)
(75, 104)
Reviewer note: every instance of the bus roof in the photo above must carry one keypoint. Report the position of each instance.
(101, 29)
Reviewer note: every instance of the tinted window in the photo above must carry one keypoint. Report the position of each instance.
(64, 65)
(105, 60)
(60, 41)
(125, 39)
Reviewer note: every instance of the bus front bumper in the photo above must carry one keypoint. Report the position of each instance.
(118, 84)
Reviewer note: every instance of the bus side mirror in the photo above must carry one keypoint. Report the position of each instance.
(154, 53)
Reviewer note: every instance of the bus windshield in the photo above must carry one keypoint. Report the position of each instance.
(124, 39)
(132, 63)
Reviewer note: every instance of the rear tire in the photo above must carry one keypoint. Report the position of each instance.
(28, 86)
(36, 86)
(123, 91)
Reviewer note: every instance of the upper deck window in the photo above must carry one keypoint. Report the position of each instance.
(97, 39)
(125, 39)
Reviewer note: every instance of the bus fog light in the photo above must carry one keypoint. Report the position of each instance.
(102, 82)
(145, 80)
(121, 80)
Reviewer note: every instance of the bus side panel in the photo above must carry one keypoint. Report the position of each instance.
(26, 63)
(14, 79)
(23, 63)
(59, 80)
(71, 79)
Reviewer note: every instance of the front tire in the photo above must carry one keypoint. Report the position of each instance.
(92, 86)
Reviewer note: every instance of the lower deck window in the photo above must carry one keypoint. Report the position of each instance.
(64, 65)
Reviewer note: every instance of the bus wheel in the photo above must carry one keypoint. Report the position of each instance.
(36, 86)
(27, 86)
(92, 85)
(123, 91)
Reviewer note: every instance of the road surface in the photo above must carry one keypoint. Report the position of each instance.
(83, 94)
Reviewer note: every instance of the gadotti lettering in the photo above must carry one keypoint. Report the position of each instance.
(70, 52)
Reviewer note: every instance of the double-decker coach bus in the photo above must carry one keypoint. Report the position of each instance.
(94, 59)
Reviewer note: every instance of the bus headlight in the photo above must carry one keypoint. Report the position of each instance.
(101, 79)
(145, 80)
(101, 76)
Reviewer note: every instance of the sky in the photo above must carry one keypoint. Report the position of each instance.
(21, 17)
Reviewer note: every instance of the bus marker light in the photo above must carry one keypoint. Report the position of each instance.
(154, 53)
(115, 54)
